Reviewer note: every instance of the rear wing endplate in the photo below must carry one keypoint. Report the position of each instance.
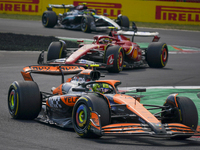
(50, 70)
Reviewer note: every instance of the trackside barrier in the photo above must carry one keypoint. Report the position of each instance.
(137, 10)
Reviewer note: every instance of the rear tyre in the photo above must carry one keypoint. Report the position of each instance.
(114, 59)
(49, 19)
(86, 23)
(186, 113)
(82, 113)
(157, 55)
(24, 100)
(123, 21)
(56, 50)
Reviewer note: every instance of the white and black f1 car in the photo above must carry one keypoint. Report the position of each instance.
(81, 18)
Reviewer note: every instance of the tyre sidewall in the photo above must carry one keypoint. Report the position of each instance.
(27, 98)
(88, 20)
(51, 19)
(115, 50)
(86, 130)
(157, 55)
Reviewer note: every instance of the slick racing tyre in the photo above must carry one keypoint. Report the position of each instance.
(49, 19)
(157, 55)
(81, 114)
(86, 23)
(114, 58)
(56, 50)
(24, 100)
(186, 113)
(123, 21)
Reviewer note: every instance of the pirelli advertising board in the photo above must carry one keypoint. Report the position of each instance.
(136, 10)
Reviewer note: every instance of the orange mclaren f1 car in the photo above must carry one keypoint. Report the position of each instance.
(95, 108)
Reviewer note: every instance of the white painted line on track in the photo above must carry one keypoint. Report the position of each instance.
(161, 87)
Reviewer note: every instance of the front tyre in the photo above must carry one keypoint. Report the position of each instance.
(49, 19)
(56, 50)
(157, 55)
(123, 21)
(114, 59)
(24, 100)
(186, 113)
(86, 23)
(82, 113)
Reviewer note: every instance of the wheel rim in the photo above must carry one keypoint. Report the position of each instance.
(120, 59)
(83, 25)
(81, 116)
(44, 19)
(12, 101)
(164, 55)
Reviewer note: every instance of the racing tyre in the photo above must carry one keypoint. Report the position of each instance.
(114, 58)
(82, 113)
(24, 100)
(49, 19)
(157, 55)
(56, 50)
(186, 113)
(123, 21)
(86, 22)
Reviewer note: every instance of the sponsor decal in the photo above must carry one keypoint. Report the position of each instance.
(19, 6)
(70, 99)
(54, 102)
(169, 13)
(110, 60)
(111, 9)
(40, 68)
(51, 68)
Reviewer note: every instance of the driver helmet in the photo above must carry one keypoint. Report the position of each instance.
(105, 41)
(103, 88)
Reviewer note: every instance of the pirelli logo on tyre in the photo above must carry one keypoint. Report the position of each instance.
(23, 6)
(111, 9)
(178, 14)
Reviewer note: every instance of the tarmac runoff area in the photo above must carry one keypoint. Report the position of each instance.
(157, 95)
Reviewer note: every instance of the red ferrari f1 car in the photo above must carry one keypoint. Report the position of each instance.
(95, 108)
(112, 52)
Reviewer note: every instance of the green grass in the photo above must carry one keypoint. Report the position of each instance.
(139, 24)
(21, 17)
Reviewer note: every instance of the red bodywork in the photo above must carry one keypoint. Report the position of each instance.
(131, 49)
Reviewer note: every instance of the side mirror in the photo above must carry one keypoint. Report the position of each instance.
(78, 89)
(140, 90)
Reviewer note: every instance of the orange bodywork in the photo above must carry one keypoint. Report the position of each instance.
(69, 100)
(123, 127)
(27, 76)
(134, 106)
(95, 120)
(58, 90)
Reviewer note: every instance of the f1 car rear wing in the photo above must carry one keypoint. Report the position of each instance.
(141, 34)
(61, 6)
(134, 32)
(51, 70)
(138, 33)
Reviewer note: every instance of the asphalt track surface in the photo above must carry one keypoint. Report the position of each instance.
(181, 70)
